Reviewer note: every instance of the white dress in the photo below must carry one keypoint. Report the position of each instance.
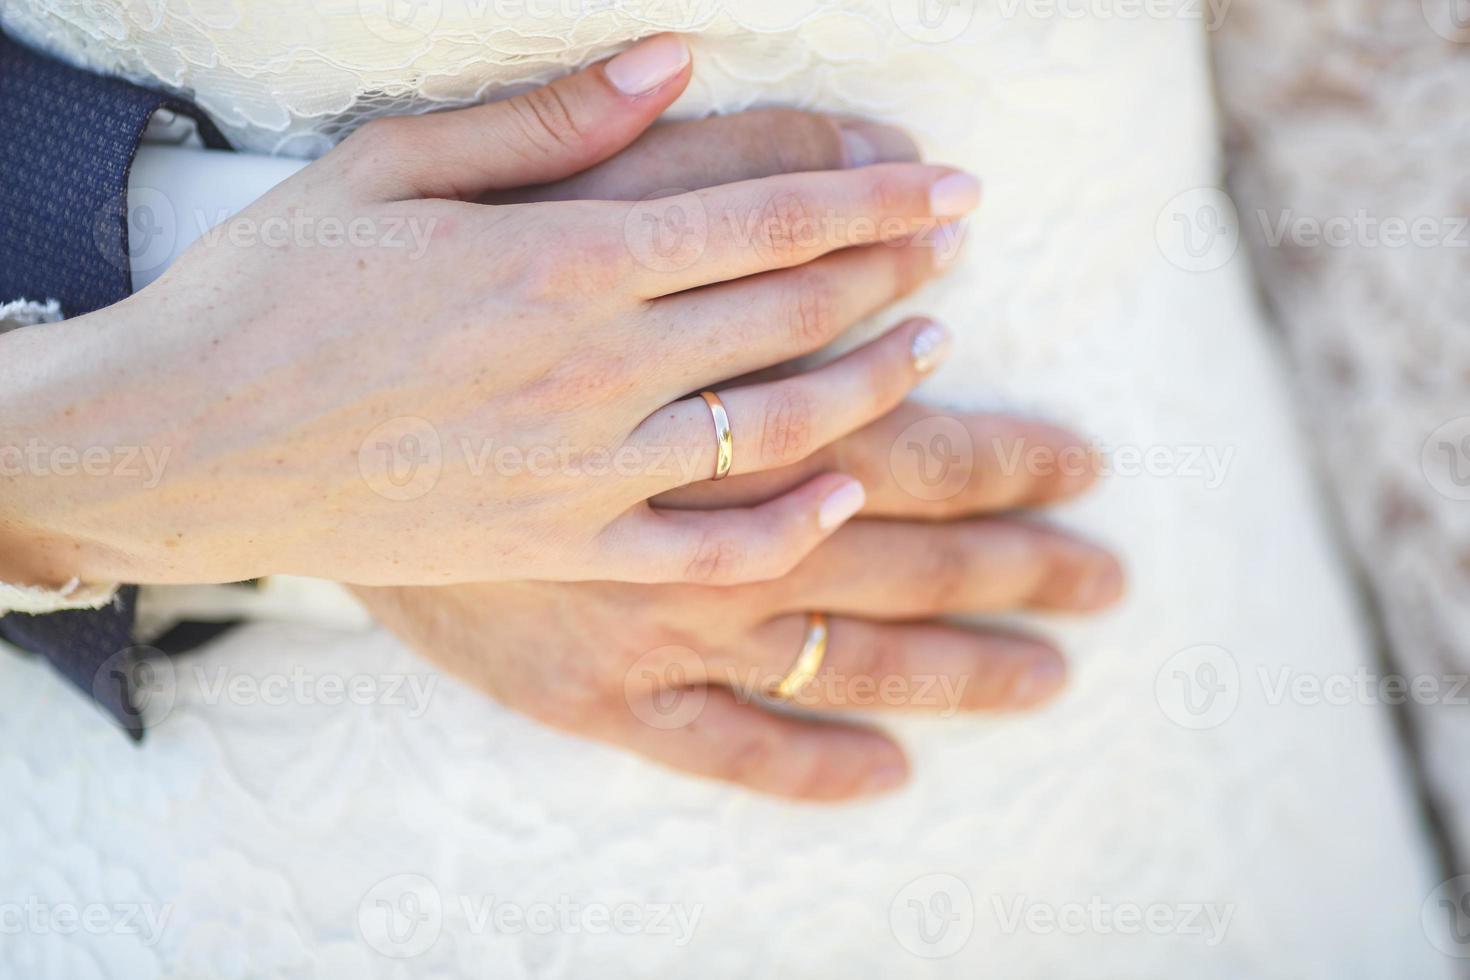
(1189, 807)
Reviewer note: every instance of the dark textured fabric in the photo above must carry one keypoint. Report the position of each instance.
(67, 140)
(91, 648)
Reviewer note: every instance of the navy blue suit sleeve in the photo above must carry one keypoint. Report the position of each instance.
(67, 141)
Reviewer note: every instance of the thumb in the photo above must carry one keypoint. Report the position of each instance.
(545, 134)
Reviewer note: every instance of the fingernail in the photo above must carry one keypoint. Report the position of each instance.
(1099, 588)
(868, 143)
(884, 778)
(844, 502)
(647, 65)
(929, 347)
(1039, 682)
(953, 195)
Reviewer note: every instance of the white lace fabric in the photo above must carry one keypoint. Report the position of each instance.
(347, 61)
(278, 831)
(1340, 118)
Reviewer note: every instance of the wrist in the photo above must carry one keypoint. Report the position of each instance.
(70, 466)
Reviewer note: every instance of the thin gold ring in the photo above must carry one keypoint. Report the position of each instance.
(724, 438)
(808, 662)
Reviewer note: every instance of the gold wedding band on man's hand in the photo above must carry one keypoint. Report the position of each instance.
(808, 662)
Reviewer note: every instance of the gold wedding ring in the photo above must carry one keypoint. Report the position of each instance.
(808, 662)
(724, 438)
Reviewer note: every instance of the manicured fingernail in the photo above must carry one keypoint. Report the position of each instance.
(929, 347)
(868, 143)
(884, 778)
(647, 65)
(844, 502)
(953, 195)
(1039, 682)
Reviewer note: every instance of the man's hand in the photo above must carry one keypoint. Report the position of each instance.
(670, 672)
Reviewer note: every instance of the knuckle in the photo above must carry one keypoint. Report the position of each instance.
(802, 141)
(787, 227)
(944, 572)
(590, 378)
(887, 195)
(718, 559)
(751, 761)
(876, 658)
(787, 428)
(381, 136)
(564, 268)
(811, 312)
(546, 119)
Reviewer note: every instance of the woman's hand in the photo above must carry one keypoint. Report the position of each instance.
(365, 377)
(673, 672)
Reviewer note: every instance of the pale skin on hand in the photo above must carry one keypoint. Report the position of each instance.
(267, 369)
(670, 672)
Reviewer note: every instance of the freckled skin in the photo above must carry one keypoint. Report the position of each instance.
(348, 357)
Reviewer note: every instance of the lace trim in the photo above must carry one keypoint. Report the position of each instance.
(36, 601)
(28, 313)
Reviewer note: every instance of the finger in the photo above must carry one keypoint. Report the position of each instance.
(736, 230)
(683, 156)
(737, 742)
(919, 463)
(728, 547)
(545, 134)
(938, 569)
(903, 667)
(727, 330)
(781, 422)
